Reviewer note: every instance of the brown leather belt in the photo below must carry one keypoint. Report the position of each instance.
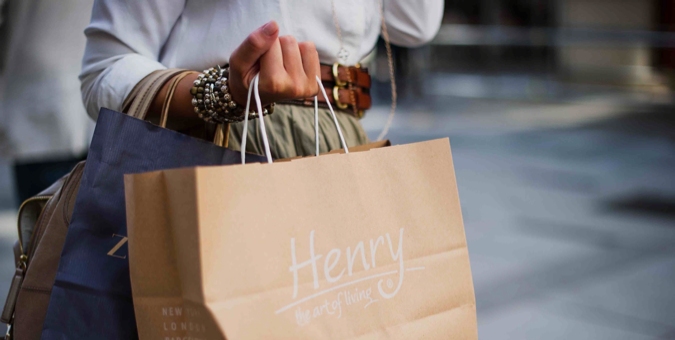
(347, 87)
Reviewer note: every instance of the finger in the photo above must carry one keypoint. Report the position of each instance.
(272, 64)
(255, 46)
(292, 58)
(274, 81)
(310, 63)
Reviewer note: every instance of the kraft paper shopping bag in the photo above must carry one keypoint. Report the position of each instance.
(364, 245)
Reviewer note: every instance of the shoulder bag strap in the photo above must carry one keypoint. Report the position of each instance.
(140, 99)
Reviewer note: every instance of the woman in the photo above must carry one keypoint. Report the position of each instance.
(129, 39)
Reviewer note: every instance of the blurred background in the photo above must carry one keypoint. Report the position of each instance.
(561, 118)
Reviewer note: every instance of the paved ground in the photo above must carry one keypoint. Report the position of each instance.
(569, 211)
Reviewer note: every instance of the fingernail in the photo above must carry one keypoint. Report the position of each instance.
(270, 28)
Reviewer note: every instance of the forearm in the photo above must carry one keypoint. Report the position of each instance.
(288, 70)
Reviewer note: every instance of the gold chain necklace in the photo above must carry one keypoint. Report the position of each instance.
(343, 54)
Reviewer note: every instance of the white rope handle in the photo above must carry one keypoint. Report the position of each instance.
(244, 133)
(263, 132)
(253, 88)
(316, 124)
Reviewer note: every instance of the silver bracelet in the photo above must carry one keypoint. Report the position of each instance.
(212, 100)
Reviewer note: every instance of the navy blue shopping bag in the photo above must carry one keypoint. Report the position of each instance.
(91, 297)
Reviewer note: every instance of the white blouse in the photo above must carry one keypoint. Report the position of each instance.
(129, 39)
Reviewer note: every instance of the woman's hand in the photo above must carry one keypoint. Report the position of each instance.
(288, 69)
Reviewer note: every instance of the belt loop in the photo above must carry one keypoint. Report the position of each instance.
(350, 87)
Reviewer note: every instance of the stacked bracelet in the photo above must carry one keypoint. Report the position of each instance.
(212, 100)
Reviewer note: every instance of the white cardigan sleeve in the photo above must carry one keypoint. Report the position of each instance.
(124, 41)
(413, 23)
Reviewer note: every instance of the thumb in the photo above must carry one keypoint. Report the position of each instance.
(255, 45)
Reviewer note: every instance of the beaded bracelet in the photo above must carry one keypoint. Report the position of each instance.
(212, 100)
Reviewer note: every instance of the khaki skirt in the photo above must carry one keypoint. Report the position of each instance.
(291, 132)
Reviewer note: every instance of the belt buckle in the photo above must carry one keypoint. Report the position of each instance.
(336, 76)
(336, 97)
